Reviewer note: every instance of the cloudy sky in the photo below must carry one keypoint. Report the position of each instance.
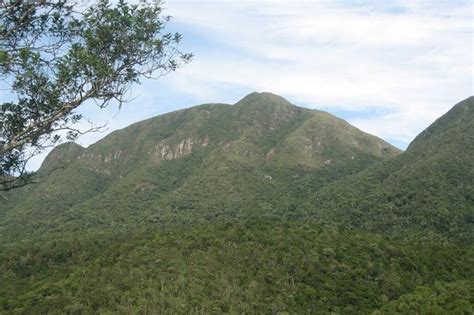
(388, 67)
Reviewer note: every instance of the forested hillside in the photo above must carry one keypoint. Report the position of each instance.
(261, 207)
(428, 190)
(258, 158)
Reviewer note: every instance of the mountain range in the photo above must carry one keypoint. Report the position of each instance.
(257, 207)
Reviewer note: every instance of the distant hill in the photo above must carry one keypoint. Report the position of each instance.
(429, 189)
(260, 157)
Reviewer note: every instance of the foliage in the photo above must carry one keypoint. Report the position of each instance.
(429, 189)
(441, 298)
(55, 59)
(262, 266)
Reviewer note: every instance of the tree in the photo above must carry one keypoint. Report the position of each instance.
(54, 59)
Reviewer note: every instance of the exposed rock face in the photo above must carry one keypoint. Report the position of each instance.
(169, 152)
(112, 156)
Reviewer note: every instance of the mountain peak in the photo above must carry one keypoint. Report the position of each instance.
(458, 120)
(259, 98)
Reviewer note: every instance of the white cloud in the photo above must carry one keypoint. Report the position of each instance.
(411, 58)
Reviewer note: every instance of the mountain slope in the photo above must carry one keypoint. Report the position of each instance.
(203, 211)
(257, 157)
(428, 189)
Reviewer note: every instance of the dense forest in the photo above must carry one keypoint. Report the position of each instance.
(262, 266)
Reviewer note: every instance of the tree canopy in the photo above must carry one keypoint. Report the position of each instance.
(54, 58)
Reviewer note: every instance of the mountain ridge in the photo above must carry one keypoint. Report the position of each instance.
(251, 151)
(254, 100)
(273, 159)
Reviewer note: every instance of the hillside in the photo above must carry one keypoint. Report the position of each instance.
(259, 157)
(261, 207)
(428, 190)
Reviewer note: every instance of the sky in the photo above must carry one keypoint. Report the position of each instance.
(388, 67)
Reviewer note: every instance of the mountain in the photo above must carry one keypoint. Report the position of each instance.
(259, 157)
(428, 190)
(261, 207)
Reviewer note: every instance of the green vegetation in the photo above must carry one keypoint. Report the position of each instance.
(260, 157)
(259, 267)
(54, 58)
(259, 207)
(442, 298)
(428, 190)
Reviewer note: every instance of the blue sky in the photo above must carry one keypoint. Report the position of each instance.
(388, 67)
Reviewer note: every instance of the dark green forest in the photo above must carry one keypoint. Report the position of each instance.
(261, 207)
(263, 266)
